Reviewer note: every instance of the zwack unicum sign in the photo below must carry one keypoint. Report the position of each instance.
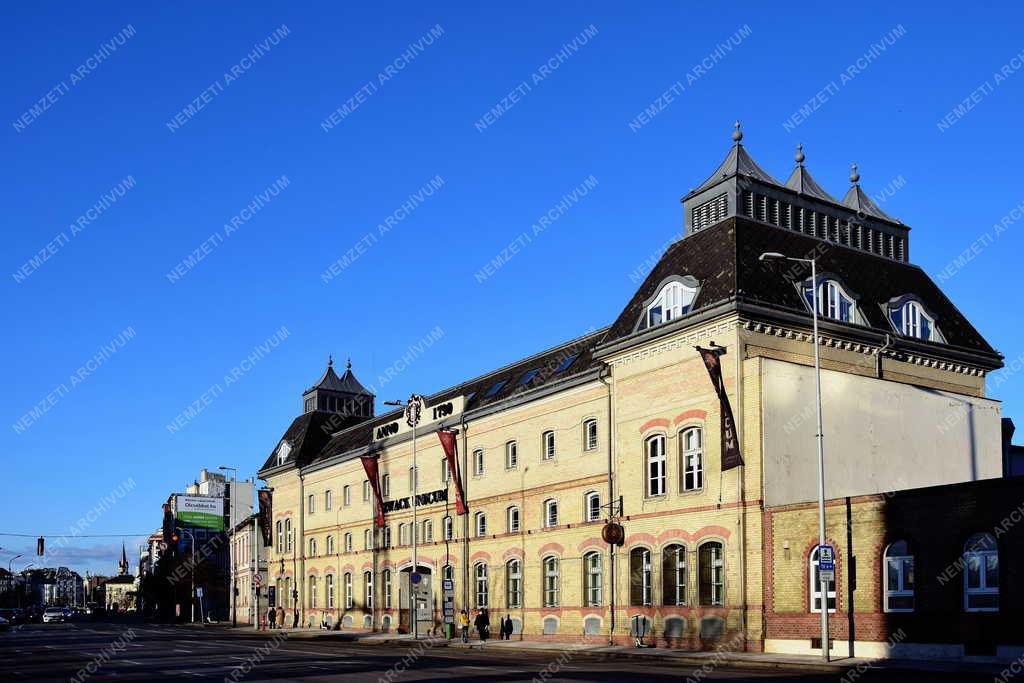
(439, 496)
(431, 414)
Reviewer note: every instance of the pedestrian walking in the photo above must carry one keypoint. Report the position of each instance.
(483, 625)
(272, 617)
(464, 625)
(506, 629)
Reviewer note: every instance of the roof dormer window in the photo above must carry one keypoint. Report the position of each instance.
(282, 452)
(833, 300)
(674, 299)
(912, 319)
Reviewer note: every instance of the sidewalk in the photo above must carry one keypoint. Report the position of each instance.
(695, 660)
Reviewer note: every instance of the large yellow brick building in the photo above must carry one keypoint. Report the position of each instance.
(624, 425)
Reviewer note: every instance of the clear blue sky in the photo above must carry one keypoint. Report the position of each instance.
(111, 122)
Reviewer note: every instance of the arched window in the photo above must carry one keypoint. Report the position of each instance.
(480, 575)
(551, 581)
(511, 455)
(589, 435)
(328, 499)
(368, 589)
(446, 472)
(349, 600)
(833, 301)
(640, 576)
(280, 537)
(911, 319)
(329, 581)
(367, 539)
(550, 512)
(672, 301)
(815, 587)
(592, 506)
(312, 591)
(711, 574)
(348, 542)
(898, 564)
(387, 588)
(478, 462)
(592, 579)
(385, 486)
(514, 583)
(346, 495)
(512, 520)
(655, 449)
(691, 445)
(289, 537)
(330, 545)
(481, 524)
(449, 528)
(312, 547)
(981, 574)
(385, 536)
(673, 575)
(448, 572)
(548, 445)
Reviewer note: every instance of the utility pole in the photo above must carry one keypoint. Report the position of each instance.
(232, 559)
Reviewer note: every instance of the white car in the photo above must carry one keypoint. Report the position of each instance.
(54, 614)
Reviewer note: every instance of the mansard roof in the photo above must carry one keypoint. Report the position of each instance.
(738, 162)
(857, 200)
(346, 384)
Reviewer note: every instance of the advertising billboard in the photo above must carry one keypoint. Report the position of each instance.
(200, 511)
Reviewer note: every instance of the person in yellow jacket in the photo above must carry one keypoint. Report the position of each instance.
(464, 625)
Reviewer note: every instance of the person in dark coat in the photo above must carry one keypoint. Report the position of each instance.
(506, 629)
(483, 625)
(272, 617)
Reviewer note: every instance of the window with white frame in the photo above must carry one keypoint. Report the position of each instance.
(368, 589)
(656, 465)
(312, 591)
(428, 531)
(548, 445)
(367, 539)
(481, 524)
(815, 588)
(312, 500)
(282, 452)
(592, 579)
(514, 583)
(833, 300)
(589, 435)
(480, 578)
(478, 462)
(448, 572)
(691, 443)
(329, 580)
(640, 577)
(403, 534)
(711, 574)
(898, 565)
(446, 472)
(349, 598)
(348, 542)
(672, 300)
(551, 581)
(366, 491)
(385, 536)
(346, 495)
(312, 547)
(328, 499)
(449, 528)
(911, 319)
(385, 486)
(511, 455)
(387, 588)
(330, 545)
(512, 520)
(592, 506)
(673, 575)
(981, 574)
(550, 512)
(280, 537)
(289, 536)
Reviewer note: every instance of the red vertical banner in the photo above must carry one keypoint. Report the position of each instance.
(731, 456)
(447, 438)
(372, 475)
(266, 500)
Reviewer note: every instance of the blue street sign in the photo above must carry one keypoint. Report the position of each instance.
(827, 558)
(415, 577)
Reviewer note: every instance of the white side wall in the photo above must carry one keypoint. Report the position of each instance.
(880, 436)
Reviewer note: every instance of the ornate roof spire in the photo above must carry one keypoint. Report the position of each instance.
(800, 154)
(737, 134)
(348, 363)
(330, 360)
(854, 176)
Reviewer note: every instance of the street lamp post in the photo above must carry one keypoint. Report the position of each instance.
(823, 587)
(231, 545)
(413, 408)
(192, 544)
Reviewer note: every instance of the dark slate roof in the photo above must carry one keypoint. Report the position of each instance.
(119, 579)
(724, 258)
(737, 162)
(857, 200)
(307, 435)
(347, 383)
(801, 182)
(548, 365)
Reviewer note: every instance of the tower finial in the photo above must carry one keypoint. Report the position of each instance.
(348, 363)
(737, 134)
(800, 154)
(330, 360)
(854, 176)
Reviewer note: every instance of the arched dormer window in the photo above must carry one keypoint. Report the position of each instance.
(673, 299)
(282, 452)
(834, 301)
(911, 319)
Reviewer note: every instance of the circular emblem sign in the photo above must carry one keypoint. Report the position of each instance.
(613, 534)
(415, 577)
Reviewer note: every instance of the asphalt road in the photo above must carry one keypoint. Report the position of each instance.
(130, 652)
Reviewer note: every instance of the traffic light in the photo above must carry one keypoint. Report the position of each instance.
(175, 537)
(40, 545)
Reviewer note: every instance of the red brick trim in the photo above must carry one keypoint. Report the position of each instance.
(479, 555)
(656, 422)
(512, 552)
(592, 542)
(691, 415)
(641, 539)
(551, 547)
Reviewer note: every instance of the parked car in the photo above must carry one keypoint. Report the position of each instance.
(13, 616)
(55, 615)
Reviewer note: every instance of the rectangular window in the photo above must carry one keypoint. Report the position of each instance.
(366, 491)
(346, 496)
(478, 462)
(328, 499)
(385, 486)
(513, 520)
(693, 459)
(312, 498)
